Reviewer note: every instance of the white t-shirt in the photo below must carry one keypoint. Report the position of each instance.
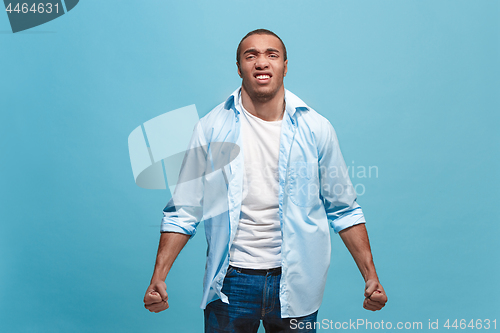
(257, 243)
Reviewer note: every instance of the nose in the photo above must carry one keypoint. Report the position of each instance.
(261, 63)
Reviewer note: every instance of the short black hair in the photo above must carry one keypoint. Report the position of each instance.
(259, 32)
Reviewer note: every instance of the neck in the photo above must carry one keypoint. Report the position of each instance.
(269, 109)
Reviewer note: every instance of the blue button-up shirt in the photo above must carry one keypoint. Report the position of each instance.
(314, 192)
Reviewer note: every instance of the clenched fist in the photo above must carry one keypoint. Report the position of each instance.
(156, 298)
(375, 297)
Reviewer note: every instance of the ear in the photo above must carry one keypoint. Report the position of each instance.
(286, 68)
(239, 71)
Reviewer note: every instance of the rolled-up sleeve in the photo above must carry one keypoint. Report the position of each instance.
(337, 192)
(184, 211)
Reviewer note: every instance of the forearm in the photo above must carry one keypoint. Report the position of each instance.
(171, 244)
(356, 240)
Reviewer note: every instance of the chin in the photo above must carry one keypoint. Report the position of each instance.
(266, 92)
(261, 93)
(264, 96)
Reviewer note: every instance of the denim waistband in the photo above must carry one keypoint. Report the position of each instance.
(272, 271)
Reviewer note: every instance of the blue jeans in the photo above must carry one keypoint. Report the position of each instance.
(252, 298)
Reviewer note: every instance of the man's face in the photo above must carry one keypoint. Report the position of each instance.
(262, 66)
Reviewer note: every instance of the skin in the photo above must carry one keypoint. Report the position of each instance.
(263, 54)
(356, 240)
(171, 244)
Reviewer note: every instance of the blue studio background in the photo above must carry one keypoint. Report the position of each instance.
(411, 86)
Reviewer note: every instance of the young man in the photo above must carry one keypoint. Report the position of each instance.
(282, 182)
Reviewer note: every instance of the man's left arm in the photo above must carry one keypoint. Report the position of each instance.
(345, 215)
(356, 240)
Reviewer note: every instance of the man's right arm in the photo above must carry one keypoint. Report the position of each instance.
(171, 244)
(180, 218)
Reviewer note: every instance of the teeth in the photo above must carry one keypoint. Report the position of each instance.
(260, 77)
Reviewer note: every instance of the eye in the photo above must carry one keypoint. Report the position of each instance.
(272, 55)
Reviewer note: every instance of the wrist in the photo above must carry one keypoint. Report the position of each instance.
(157, 279)
(371, 277)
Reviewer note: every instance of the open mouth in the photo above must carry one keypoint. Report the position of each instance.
(262, 77)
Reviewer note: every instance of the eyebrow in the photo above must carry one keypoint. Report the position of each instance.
(270, 49)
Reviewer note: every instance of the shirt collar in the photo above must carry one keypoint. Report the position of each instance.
(293, 103)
